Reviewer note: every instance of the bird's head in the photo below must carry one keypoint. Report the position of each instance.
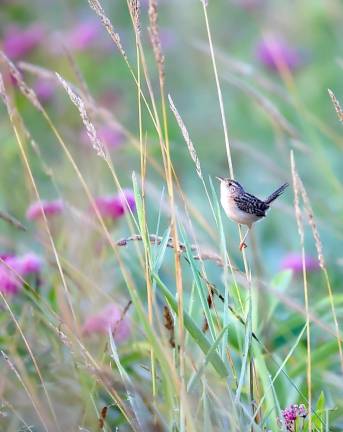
(231, 187)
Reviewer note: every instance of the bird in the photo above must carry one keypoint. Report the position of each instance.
(241, 206)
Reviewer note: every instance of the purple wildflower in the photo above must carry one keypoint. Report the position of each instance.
(9, 282)
(44, 90)
(275, 53)
(19, 42)
(15, 268)
(114, 206)
(29, 263)
(50, 208)
(291, 414)
(127, 199)
(110, 136)
(109, 207)
(83, 35)
(293, 261)
(109, 318)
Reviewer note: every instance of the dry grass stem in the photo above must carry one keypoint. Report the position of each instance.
(23, 87)
(12, 221)
(300, 224)
(319, 247)
(186, 137)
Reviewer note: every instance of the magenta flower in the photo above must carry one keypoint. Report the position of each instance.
(291, 414)
(127, 199)
(15, 269)
(109, 207)
(114, 206)
(83, 35)
(10, 283)
(109, 318)
(19, 42)
(44, 90)
(275, 53)
(110, 136)
(293, 261)
(29, 263)
(50, 208)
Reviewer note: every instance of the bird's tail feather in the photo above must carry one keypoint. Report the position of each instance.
(275, 194)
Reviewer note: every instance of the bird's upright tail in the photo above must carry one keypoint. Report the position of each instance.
(276, 194)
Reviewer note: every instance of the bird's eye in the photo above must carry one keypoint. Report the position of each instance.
(230, 184)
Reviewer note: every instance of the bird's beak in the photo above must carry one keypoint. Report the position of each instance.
(220, 178)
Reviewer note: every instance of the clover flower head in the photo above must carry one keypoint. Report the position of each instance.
(109, 318)
(274, 52)
(291, 414)
(293, 261)
(19, 42)
(49, 208)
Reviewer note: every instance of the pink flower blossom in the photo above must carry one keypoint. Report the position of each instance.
(109, 318)
(275, 53)
(111, 137)
(114, 206)
(291, 414)
(109, 207)
(19, 42)
(293, 261)
(50, 208)
(127, 199)
(15, 268)
(44, 90)
(83, 35)
(9, 282)
(29, 263)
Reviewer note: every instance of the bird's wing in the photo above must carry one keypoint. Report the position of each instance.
(250, 204)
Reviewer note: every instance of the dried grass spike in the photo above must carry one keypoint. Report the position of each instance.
(313, 225)
(186, 137)
(296, 187)
(155, 38)
(169, 325)
(96, 6)
(91, 132)
(336, 105)
(135, 9)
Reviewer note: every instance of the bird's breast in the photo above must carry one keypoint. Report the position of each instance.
(234, 213)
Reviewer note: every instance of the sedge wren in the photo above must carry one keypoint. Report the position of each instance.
(242, 207)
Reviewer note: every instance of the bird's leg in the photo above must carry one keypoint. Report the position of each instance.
(242, 244)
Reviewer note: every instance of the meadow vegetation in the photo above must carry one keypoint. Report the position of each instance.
(125, 301)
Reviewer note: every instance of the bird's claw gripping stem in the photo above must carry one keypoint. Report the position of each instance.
(242, 246)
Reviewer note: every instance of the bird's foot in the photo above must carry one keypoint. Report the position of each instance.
(242, 246)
